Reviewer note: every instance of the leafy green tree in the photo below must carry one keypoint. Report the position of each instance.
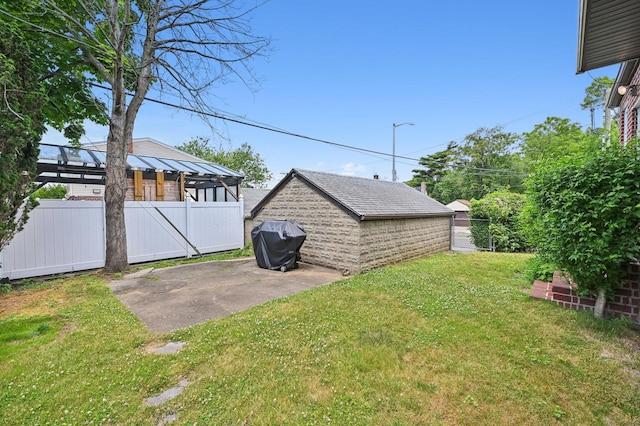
(21, 127)
(484, 161)
(595, 96)
(452, 186)
(502, 210)
(554, 139)
(436, 166)
(65, 86)
(53, 192)
(184, 48)
(40, 86)
(584, 215)
(244, 160)
(490, 161)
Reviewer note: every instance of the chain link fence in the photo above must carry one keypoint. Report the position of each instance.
(475, 237)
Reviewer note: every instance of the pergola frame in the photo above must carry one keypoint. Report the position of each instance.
(64, 164)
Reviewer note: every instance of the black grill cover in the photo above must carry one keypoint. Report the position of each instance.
(276, 244)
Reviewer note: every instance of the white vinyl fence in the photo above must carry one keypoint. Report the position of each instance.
(67, 236)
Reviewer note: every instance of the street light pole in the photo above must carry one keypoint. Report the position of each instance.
(394, 175)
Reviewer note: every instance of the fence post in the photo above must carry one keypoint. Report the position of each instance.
(241, 201)
(452, 233)
(103, 205)
(187, 225)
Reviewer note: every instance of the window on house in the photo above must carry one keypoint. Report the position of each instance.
(624, 125)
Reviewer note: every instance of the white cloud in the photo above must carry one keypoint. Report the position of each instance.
(351, 169)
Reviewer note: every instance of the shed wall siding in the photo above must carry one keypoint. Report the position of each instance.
(332, 235)
(390, 241)
(80, 191)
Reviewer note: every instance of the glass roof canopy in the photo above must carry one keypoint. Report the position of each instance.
(65, 164)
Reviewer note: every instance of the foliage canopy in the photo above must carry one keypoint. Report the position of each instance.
(21, 127)
(243, 159)
(53, 192)
(584, 214)
(41, 85)
(484, 161)
(502, 209)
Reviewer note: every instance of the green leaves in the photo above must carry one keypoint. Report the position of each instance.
(583, 214)
(554, 139)
(244, 160)
(56, 61)
(21, 127)
(485, 161)
(502, 209)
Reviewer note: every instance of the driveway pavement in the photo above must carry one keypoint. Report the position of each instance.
(177, 297)
(462, 240)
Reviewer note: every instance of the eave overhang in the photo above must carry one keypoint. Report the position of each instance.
(404, 216)
(608, 33)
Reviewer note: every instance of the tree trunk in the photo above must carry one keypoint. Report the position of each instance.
(116, 183)
(120, 136)
(601, 302)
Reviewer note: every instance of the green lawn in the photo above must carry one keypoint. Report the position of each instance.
(452, 339)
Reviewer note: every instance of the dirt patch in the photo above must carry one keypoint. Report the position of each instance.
(31, 302)
(633, 341)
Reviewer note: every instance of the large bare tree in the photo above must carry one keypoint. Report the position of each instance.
(185, 47)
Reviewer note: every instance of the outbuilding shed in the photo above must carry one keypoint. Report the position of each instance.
(461, 209)
(356, 224)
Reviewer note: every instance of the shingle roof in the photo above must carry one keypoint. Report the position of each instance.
(366, 199)
(252, 196)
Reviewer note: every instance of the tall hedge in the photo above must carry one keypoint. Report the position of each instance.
(501, 210)
(584, 215)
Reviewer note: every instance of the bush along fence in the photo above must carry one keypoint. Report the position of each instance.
(625, 302)
(481, 236)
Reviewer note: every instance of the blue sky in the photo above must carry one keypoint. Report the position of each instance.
(345, 71)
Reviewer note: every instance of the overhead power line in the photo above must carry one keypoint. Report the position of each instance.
(263, 127)
(298, 135)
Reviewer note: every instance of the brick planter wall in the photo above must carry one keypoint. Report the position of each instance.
(626, 301)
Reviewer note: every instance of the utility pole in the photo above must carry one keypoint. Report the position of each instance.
(394, 174)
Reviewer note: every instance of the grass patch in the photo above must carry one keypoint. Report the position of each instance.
(17, 335)
(448, 339)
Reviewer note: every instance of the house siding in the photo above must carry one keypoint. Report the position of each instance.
(628, 115)
(338, 241)
(85, 192)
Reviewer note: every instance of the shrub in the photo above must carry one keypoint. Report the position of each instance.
(502, 209)
(538, 268)
(53, 192)
(584, 215)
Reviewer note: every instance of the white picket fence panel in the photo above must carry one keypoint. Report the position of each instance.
(69, 236)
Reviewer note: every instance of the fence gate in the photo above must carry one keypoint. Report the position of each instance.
(68, 236)
(474, 237)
